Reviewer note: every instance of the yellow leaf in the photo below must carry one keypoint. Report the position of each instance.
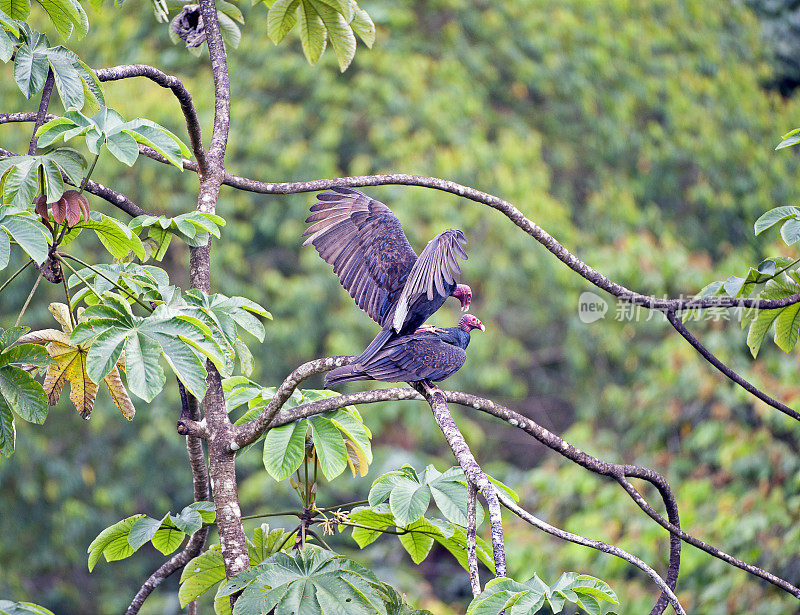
(61, 313)
(70, 366)
(355, 459)
(118, 393)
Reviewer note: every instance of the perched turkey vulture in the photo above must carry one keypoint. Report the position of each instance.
(365, 243)
(429, 354)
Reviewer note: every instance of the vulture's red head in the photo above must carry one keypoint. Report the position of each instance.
(463, 293)
(468, 322)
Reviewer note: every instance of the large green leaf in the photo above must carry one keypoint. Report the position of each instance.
(339, 32)
(329, 446)
(409, 500)
(201, 574)
(417, 541)
(112, 542)
(117, 238)
(284, 449)
(30, 69)
(8, 431)
(22, 608)
(312, 581)
(313, 35)
(25, 396)
(281, 19)
(16, 9)
(31, 235)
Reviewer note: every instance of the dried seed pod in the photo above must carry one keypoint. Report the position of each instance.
(188, 25)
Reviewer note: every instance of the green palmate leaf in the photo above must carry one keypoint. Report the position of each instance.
(29, 234)
(159, 138)
(8, 431)
(30, 69)
(23, 394)
(5, 250)
(207, 510)
(312, 581)
(418, 541)
(123, 147)
(22, 608)
(774, 216)
(231, 33)
(789, 139)
(363, 26)
(112, 542)
(761, 321)
(68, 80)
(284, 449)
(201, 574)
(142, 531)
(188, 521)
(281, 19)
(409, 500)
(6, 21)
(16, 9)
(117, 238)
(167, 538)
(265, 543)
(375, 523)
(329, 446)
(6, 47)
(313, 35)
(339, 32)
(787, 325)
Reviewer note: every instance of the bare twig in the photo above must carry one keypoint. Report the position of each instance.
(709, 356)
(42, 113)
(28, 300)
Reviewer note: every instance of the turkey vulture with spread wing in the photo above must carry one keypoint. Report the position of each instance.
(429, 354)
(365, 243)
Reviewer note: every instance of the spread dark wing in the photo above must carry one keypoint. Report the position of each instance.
(436, 265)
(365, 243)
(420, 356)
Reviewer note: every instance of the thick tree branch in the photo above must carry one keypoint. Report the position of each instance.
(171, 82)
(472, 542)
(709, 356)
(594, 544)
(24, 116)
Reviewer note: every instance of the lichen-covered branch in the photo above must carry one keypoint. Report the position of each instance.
(472, 470)
(472, 539)
(249, 432)
(41, 114)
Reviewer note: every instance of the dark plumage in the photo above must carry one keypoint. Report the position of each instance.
(427, 354)
(365, 243)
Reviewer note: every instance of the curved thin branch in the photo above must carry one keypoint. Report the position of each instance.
(594, 544)
(518, 218)
(620, 473)
(709, 356)
(171, 82)
(117, 199)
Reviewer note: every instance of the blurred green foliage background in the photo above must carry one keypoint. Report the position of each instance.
(639, 133)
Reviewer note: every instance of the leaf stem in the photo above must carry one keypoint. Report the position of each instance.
(345, 505)
(288, 536)
(69, 302)
(102, 275)
(28, 300)
(16, 273)
(283, 513)
(89, 173)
